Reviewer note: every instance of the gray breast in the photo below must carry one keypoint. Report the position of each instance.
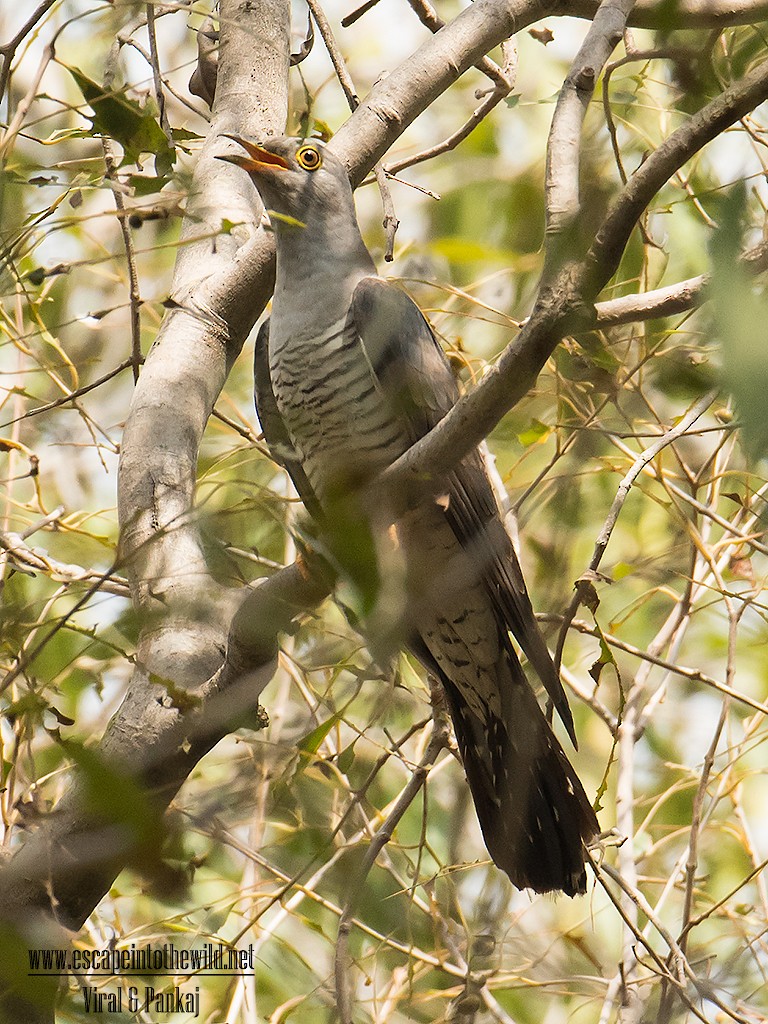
(338, 418)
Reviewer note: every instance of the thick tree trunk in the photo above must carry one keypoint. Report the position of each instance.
(220, 287)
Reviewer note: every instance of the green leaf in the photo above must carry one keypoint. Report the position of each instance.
(346, 758)
(123, 120)
(464, 250)
(740, 313)
(310, 744)
(285, 218)
(622, 569)
(534, 434)
(147, 185)
(184, 135)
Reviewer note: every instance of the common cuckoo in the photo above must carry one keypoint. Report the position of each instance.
(348, 377)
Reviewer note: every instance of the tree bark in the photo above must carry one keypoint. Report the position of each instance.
(221, 284)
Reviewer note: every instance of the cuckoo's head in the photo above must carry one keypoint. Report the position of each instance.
(298, 179)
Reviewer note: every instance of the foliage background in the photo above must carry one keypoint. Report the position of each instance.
(262, 841)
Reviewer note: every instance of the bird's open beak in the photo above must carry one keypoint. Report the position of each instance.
(257, 159)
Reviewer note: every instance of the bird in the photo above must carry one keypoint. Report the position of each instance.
(349, 375)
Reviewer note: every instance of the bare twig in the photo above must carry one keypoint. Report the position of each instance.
(8, 50)
(500, 90)
(353, 16)
(72, 396)
(708, 123)
(437, 743)
(34, 559)
(429, 17)
(684, 671)
(157, 76)
(390, 222)
(134, 292)
(8, 137)
(673, 434)
(675, 298)
(339, 65)
(688, 13)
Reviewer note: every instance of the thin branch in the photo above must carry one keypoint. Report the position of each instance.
(437, 743)
(110, 162)
(654, 305)
(8, 50)
(40, 524)
(390, 222)
(353, 16)
(680, 965)
(9, 135)
(397, 100)
(157, 77)
(429, 17)
(492, 100)
(673, 434)
(72, 396)
(693, 674)
(35, 560)
(339, 65)
(675, 298)
(134, 292)
(715, 14)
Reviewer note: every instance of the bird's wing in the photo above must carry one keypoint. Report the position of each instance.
(414, 374)
(275, 432)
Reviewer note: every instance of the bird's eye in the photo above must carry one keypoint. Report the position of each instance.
(309, 158)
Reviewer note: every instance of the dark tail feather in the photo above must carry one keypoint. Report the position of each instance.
(533, 811)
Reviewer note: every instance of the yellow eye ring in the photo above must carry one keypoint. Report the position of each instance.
(309, 158)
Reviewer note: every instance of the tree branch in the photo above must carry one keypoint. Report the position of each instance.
(158, 735)
(714, 14)
(397, 100)
(566, 305)
(564, 147)
(221, 284)
(675, 298)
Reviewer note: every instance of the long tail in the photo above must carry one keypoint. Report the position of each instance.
(533, 811)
